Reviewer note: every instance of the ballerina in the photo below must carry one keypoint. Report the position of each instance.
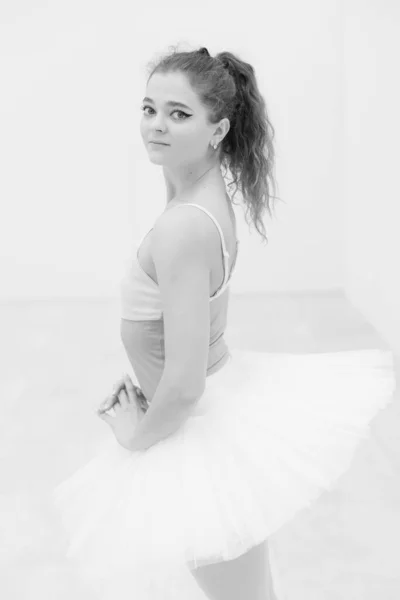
(216, 448)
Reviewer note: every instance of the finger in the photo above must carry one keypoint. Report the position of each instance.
(106, 406)
(136, 396)
(123, 399)
(140, 398)
(130, 390)
(108, 403)
(113, 397)
(143, 403)
(107, 418)
(118, 386)
(128, 382)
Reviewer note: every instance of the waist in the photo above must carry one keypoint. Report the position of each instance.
(144, 344)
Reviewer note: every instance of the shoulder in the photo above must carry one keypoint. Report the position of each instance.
(185, 229)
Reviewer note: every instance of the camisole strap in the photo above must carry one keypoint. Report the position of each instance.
(224, 250)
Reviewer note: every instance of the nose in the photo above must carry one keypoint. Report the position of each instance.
(159, 125)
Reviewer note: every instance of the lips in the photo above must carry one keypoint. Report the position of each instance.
(159, 143)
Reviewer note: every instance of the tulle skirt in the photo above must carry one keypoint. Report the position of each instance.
(270, 433)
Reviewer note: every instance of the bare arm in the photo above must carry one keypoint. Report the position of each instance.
(179, 252)
(167, 411)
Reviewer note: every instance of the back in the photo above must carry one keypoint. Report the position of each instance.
(142, 331)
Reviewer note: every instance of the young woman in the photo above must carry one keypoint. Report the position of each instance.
(218, 448)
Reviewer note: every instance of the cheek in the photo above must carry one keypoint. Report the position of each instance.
(143, 129)
(190, 138)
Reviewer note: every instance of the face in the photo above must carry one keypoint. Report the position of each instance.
(183, 128)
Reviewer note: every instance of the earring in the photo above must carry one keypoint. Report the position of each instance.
(214, 146)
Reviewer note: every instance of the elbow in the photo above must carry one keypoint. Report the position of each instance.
(187, 392)
(189, 395)
(192, 397)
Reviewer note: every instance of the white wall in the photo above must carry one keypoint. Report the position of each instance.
(372, 188)
(76, 185)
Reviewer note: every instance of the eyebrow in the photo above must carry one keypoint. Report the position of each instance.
(169, 103)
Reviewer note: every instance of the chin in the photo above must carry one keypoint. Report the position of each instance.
(157, 160)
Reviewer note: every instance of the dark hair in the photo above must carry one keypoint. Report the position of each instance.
(227, 86)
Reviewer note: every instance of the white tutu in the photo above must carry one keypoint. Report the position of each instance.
(268, 436)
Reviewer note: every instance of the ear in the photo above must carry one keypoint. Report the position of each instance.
(223, 127)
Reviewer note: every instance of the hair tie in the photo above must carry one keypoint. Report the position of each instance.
(226, 65)
(204, 51)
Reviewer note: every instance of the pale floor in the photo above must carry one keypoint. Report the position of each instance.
(58, 361)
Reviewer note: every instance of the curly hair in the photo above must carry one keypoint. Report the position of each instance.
(227, 87)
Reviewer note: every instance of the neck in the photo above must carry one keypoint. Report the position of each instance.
(177, 182)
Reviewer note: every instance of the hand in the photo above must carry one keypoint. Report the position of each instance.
(128, 413)
(112, 399)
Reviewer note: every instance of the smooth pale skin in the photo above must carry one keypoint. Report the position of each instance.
(182, 252)
(113, 398)
(181, 248)
(127, 415)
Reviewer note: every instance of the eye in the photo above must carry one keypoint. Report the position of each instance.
(182, 113)
(186, 116)
(143, 108)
